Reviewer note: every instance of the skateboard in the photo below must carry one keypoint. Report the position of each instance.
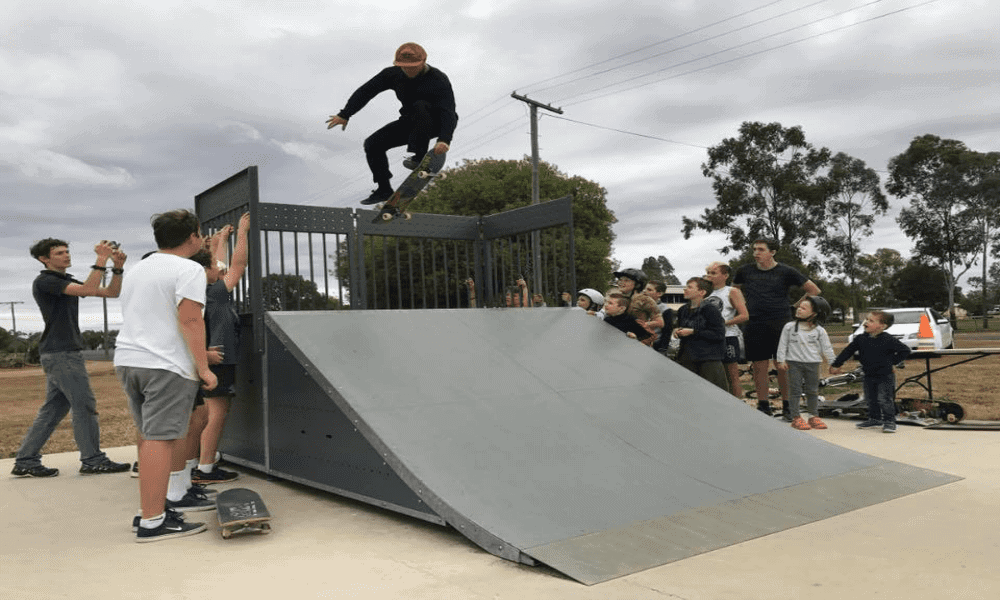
(241, 511)
(396, 205)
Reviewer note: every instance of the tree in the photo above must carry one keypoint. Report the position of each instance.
(294, 292)
(489, 186)
(937, 175)
(986, 207)
(767, 185)
(876, 273)
(7, 340)
(660, 269)
(855, 198)
(921, 284)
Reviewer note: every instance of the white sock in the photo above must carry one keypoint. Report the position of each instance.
(178, 487)
(218, 456)
(152, 523)
(191, 464)
(206, 468)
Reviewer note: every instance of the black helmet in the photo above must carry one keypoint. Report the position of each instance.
(635, 275)
(821, 307)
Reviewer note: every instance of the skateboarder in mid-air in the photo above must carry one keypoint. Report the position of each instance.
(428, 110)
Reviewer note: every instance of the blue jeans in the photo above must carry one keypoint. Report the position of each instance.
(880, 392)
(67, 388)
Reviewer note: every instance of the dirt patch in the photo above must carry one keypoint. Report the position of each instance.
(22, 391)
(975, 385)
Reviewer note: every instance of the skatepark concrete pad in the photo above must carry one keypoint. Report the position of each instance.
(547, 435)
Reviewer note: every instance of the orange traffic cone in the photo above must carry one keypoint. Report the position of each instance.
(925, 337)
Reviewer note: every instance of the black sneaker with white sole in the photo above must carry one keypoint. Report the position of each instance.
(171, 527)
(169, 512)
(868, 424)
(191, 502)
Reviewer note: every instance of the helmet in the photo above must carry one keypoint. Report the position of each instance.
(635, 275)
(821, 307)
(596, 298)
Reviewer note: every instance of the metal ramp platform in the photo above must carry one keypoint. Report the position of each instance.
(542, 435)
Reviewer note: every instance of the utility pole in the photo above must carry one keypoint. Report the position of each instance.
(535, 239)
(13, 320)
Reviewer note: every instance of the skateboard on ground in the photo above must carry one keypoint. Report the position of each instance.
(241, 511)
(429, 168)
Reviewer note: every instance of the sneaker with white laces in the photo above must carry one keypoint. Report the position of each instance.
(171, 527)
(191, 502)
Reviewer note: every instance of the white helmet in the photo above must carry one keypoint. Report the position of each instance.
(596, 298)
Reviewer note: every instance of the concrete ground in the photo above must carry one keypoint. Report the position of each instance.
(69, 537)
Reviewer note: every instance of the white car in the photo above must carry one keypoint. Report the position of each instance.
(907, 324)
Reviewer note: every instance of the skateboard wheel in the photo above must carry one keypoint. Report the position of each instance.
(423, 174)
(226, 534)
(407, 215)
(265, 527)
(386, 216)
(442, 175)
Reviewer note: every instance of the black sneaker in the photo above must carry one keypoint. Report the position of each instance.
(765, 407)
(135, 469)
(868, 424)
(888, 428)
(412, 162)
(191, 502)
(108, 466)
(199, 488)
(36, 471)
(170, 528)
(169, 512)
(379, 195)
(216, 476)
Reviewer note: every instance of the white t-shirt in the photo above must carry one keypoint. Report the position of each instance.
(150, 336)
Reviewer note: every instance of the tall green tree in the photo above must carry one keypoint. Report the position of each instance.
(921, 284)
(489, 186)
(855, 198)
(938, 176)
(985, 205)
(660, 269)
(876, 272)
(767, 182)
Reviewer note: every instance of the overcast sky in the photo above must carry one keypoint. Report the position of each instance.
(112, 111)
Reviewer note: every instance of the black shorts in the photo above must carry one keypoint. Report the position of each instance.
(731, 354)
(761, 339)
(226, 376)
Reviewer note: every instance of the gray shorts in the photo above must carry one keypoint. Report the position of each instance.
(161, 401)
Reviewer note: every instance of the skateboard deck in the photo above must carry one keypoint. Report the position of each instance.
(242, 511)
(429, 168)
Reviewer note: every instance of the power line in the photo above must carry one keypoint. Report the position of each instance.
(752, 54)
(670, 39)
(684, 47)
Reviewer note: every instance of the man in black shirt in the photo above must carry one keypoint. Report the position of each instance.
(428, 110)
(765, 284)
(67, 383)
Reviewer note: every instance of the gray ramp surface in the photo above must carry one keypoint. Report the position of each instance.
(546, 434)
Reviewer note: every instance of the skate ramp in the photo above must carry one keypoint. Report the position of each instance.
(545, 435)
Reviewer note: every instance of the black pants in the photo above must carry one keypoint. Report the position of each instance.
(413, 130)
